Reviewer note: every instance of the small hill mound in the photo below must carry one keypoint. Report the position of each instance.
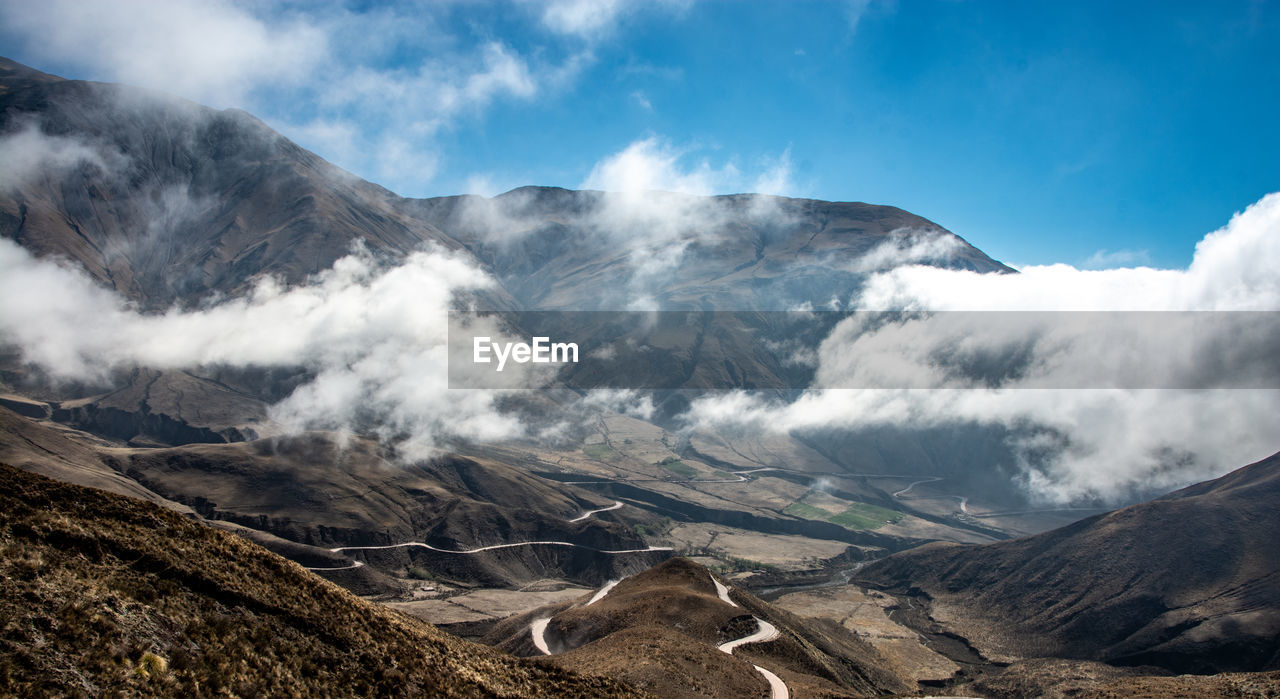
(677, 630)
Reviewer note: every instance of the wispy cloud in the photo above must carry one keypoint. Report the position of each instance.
(854, 10)
(28, 153)
(1111, 259)
(371, 89)
(583, 18)
(642, 100)
(211, 51)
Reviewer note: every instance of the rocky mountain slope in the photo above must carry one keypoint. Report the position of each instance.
(105, 594)
(561, 249)
(1188, 582)
(305, 495)
(168, 201)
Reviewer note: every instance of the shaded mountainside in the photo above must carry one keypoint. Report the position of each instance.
(162, 408)
(660, 629)
(1052, 678)
(363, 498)
(574, 250)
(307, 494)
(177, 200)
(108, 595)
(1188, 582)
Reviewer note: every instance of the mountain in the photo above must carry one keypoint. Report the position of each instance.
(106, 594)
(677, 630)
(172, 201)
(561, 249)
(1188, 582)
(169, 201)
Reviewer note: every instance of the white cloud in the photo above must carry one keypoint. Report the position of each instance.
(854, 12)
(1107, 443)
(209, 51)
(654, 165)
(776, 177)
(907, 247)
(1110, 259)
(584, 18)
(482, 185)
(642, 100)
(655, 205)
(374, 337)
(1233, 269)
(29, 153)
(596, 20)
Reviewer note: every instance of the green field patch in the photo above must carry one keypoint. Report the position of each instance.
(860, 515)
(598, 451)
(678, 467)
(799, 509)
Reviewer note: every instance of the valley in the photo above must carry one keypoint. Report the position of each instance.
(234, 461)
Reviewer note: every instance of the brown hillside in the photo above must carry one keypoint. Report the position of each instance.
(104, 594)
(1189, 582)
(660, 628)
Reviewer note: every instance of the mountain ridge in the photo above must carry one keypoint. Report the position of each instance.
(1189, 581)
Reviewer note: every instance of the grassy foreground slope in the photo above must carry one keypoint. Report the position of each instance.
(103, 594)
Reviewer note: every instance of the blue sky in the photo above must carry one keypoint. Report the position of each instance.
(1091, 133)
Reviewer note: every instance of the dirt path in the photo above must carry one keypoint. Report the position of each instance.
(539, 631)
(354, 564)
(589, 513)
(764, 633)
(495, 547)
(599, 595)
(907, 489)
(722, 592)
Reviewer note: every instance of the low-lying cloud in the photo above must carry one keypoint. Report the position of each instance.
(373, 338)
(644, 207)
(28, 153)
(1072, 444)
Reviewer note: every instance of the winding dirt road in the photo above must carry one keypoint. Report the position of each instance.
(495, 547)
(722, 592)
(764, 633)
(599, 595)
(354, 564)
(738, 477)
(589, 513)
(538, 629)
(907, 489)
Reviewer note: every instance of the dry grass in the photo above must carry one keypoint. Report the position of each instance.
(107, 595)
